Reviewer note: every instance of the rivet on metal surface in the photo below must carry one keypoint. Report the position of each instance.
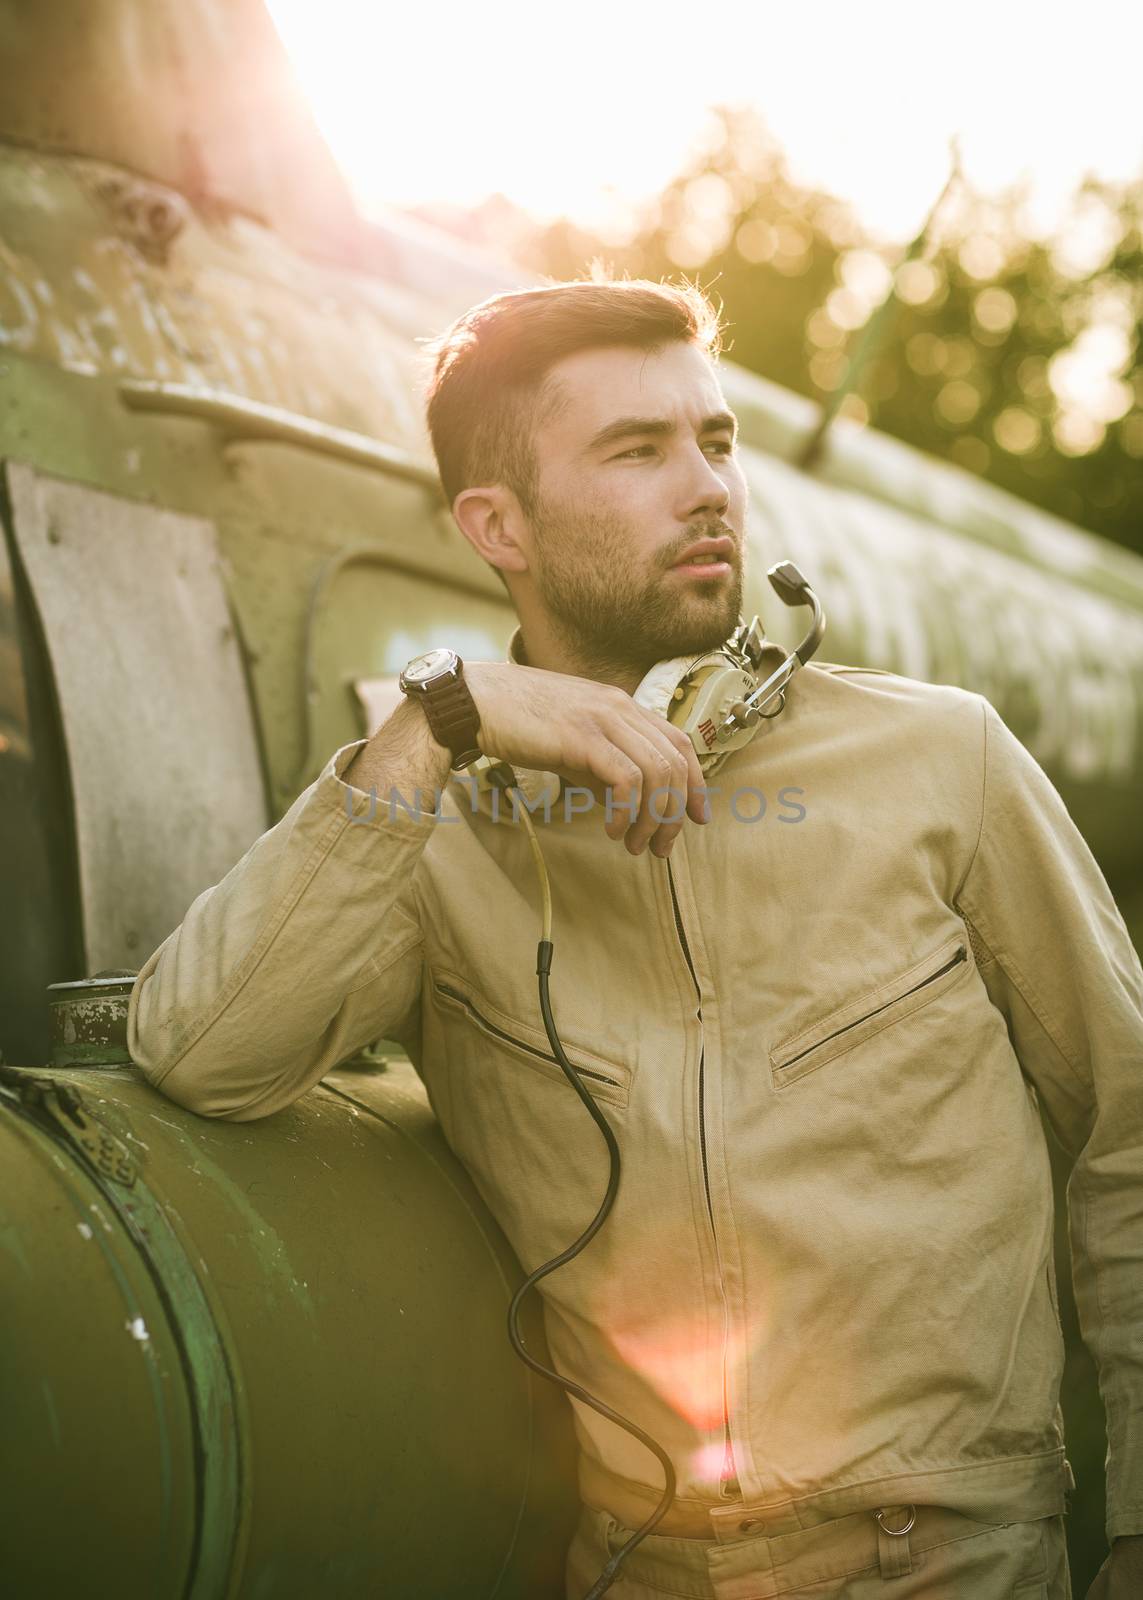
(67, 1110)
(107, 1153)
(149, 217)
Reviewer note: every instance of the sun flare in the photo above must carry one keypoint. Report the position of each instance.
(448, 104)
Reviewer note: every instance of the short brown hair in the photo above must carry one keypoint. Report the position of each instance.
(487, 387)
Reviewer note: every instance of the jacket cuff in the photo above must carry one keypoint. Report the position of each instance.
(1125, 1484)
(403, 816)
(1126, 1522)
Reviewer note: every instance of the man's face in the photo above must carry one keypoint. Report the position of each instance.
(635, 465)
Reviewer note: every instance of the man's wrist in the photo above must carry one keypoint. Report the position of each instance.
(403, 754)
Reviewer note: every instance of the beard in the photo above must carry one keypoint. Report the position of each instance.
(613, 618)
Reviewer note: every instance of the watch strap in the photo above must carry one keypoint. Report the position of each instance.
(453, 717)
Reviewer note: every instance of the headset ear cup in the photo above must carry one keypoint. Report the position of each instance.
(703, 699)
(684, 696)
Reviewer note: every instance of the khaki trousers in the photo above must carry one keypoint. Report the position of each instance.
(943, 1555)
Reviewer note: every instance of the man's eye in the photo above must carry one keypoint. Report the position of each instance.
(635, 451)
(721, 447)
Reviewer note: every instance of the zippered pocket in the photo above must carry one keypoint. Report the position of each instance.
(851, 1024)
(606, 1080)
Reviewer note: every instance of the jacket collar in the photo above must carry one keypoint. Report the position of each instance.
(542, 790)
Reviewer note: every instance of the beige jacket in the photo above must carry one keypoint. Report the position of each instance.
(821, 1037)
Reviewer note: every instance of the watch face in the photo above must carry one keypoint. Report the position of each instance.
(431, 665)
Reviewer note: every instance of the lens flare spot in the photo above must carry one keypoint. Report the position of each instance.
(707, 1463)
(682, 1363)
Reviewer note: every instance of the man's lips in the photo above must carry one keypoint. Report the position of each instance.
(703, 569)
(722, 550)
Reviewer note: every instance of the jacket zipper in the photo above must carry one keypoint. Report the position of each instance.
(521, 1044)
(954, 961)
(729, 1481)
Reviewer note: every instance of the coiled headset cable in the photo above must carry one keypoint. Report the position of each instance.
(503, 777)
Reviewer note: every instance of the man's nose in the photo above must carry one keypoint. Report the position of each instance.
(705, 489)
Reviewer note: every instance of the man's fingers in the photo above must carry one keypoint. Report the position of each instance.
(663, 807)
(650, 777)
(613, 778)
(696, 786)
(692, 782)
(643, 769)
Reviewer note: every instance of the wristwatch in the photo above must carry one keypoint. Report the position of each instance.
(436, 682)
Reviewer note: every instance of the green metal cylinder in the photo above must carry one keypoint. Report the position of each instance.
(261, 1362)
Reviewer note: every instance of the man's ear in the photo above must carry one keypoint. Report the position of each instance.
(495, 526)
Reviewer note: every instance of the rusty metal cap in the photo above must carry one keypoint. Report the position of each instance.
(89, 1020)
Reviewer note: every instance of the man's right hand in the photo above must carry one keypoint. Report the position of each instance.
(597, 737)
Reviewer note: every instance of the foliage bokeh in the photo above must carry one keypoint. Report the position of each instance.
(1016, 357)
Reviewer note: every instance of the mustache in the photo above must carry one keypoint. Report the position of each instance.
(709, 528)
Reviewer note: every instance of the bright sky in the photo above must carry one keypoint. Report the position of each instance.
(579, 108)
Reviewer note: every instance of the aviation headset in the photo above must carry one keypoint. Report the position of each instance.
(721, 704)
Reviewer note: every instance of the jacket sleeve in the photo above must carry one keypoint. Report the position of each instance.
(308, 949)
(1058, 962)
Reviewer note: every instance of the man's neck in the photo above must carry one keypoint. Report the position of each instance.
(542, 648)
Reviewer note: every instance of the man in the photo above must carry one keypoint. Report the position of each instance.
(822, 1032)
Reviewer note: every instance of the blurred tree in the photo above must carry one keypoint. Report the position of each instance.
(1018, 358)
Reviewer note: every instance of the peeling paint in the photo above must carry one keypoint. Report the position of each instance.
(180, 1131)
(104, 307)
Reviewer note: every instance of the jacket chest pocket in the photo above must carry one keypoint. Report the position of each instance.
(604, 1079)
(859, 1020)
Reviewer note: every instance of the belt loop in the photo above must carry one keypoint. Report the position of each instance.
(893, 1551)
